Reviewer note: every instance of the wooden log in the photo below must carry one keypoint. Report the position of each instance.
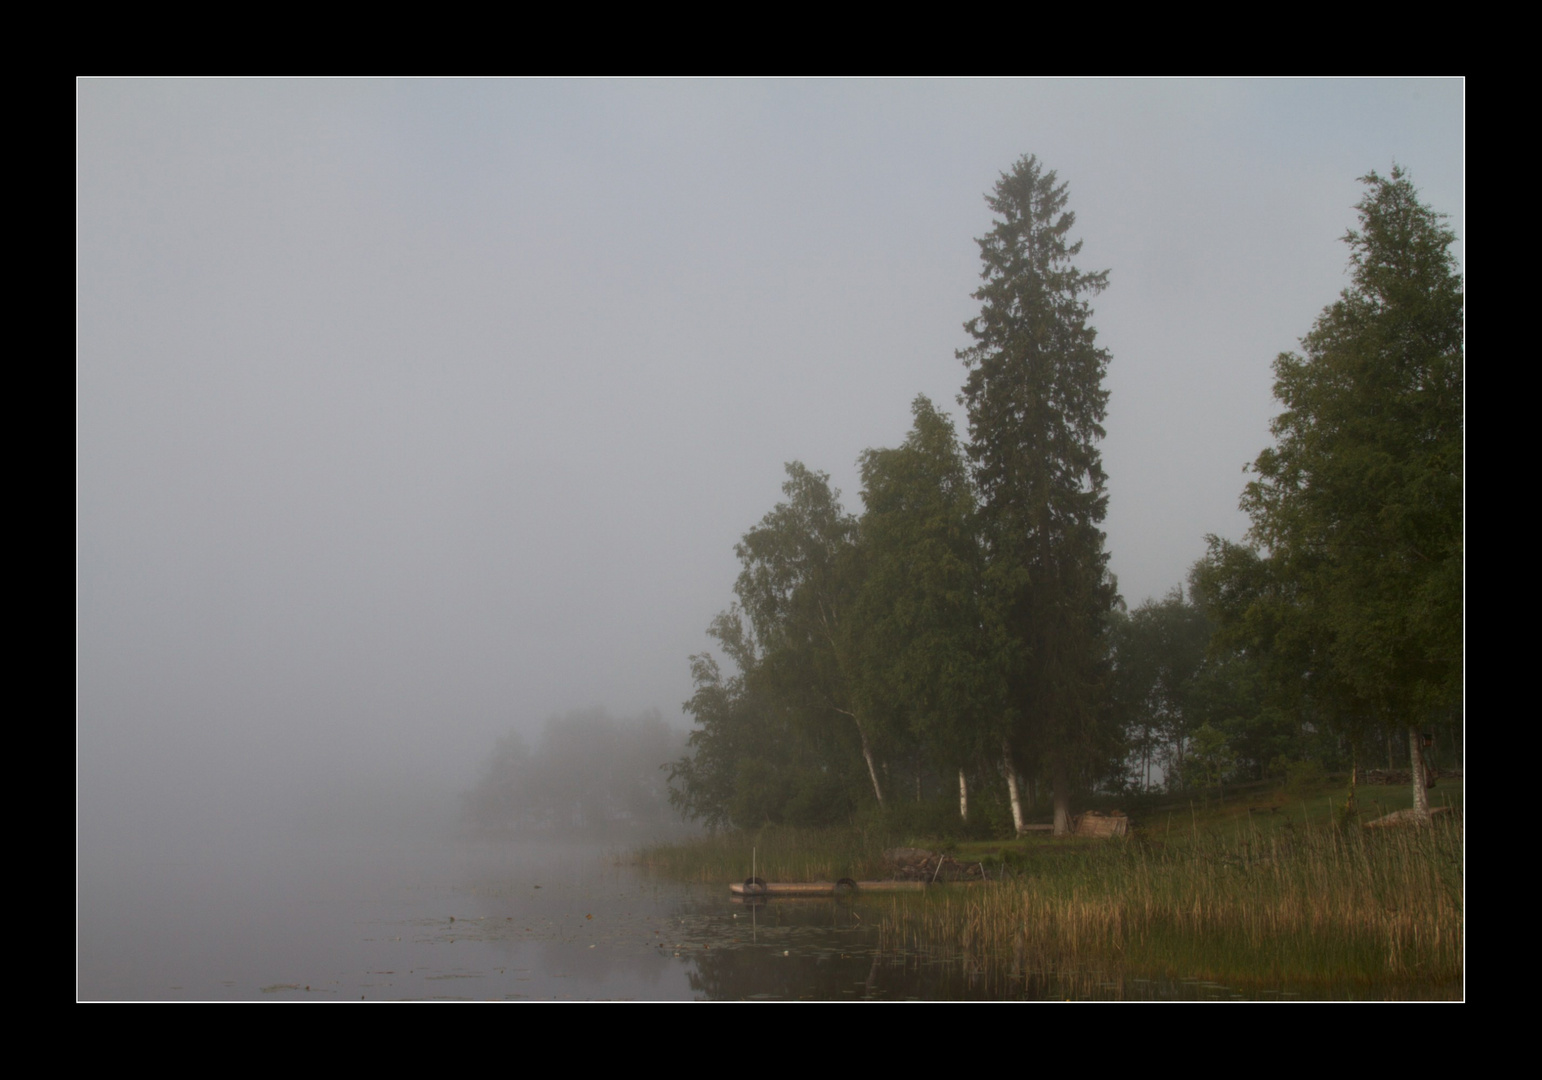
(1406, 817)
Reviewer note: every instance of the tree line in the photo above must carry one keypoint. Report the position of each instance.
(964, 628)
(586, 775)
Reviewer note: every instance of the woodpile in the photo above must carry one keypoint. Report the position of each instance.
(918, 864)
(1402, 777)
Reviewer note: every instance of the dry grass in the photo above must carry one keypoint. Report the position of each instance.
(1318, 905)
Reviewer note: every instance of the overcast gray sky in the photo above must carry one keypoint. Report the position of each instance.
(408, 411)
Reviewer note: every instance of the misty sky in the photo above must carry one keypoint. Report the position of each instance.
(407, 411)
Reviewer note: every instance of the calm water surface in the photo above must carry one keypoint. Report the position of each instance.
(381, 919)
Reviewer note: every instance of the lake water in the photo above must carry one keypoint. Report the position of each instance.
(372, 917)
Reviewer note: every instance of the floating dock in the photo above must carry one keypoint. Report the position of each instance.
(755, 887)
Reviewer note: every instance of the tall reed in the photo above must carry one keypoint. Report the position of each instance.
(1317, 905)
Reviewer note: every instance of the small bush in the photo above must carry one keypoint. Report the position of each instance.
(1303, 777)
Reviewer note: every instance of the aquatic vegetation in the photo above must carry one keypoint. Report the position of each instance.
(1303, 906)
(1260, 897)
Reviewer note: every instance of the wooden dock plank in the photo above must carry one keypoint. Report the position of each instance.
(820, 888)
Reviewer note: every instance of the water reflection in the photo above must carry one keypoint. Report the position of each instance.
(829, 949)
(344, 919)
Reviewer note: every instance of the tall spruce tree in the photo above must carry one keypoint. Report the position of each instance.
(1036, 404)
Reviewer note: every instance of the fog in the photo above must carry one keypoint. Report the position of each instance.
(410, 413)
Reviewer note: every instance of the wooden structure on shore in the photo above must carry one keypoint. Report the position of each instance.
(754, 887)
(1097, 823)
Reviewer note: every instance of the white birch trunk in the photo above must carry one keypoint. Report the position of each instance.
(1421, 795)
(963, 796)
(1017, 799)
(872, 770)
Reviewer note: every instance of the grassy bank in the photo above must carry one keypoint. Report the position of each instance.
(1267, 886)
(1304, 906)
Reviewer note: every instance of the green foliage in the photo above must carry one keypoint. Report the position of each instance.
(1159, 658)
(990, 814)
(1229, 695)
(920, 659)
(1036, 403)
(796, 567)
(729, 730)
(851, 639)
(1354, 594)
(818, 798)
(1210, 756)
(780, 740)
(904, 823)
(1302, 777)
(1171, 676)
(758, 794)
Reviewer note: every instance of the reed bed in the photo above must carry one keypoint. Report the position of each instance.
(1312, 906)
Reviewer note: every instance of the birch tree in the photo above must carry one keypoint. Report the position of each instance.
(917, 635)
(1356, 511)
